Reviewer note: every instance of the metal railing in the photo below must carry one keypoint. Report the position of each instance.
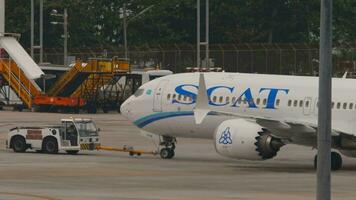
(299, 59)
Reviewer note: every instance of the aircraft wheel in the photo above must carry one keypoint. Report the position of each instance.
(171, 153)
(165, 153)
(336, 161)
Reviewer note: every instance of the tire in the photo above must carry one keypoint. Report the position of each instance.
(164, 153)
(50, 146)
(19, 144)
(72, 152)
(171, 153)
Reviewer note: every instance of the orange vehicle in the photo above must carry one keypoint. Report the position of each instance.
(45, 102)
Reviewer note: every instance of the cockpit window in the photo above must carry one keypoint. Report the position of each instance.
(139, 92)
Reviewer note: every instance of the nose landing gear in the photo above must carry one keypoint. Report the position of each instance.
(169, 146)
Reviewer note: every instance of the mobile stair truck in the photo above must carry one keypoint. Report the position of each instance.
(72, 135)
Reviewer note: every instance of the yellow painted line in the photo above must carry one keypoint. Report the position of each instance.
(28, 195)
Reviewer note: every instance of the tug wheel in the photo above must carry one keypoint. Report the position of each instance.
(19, 144)
(50, 146)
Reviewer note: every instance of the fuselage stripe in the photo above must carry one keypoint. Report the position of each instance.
(142, 122)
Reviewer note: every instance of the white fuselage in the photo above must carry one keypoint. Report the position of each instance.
(165, 105)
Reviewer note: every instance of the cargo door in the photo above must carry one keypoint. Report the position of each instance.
(158, 96)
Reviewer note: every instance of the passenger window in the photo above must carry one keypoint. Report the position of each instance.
(168, 97)
(345, 105)
(264, 101)
(239, 101)
(295, 104)
(289, 103)
(184, 98)
(227, 99)
(307, 104)
(190, 98)
(351, 106)
(179, 97)
(277, 102)
(174, 96)
(258, 100)
(301, 103)
(221, 99)
(214, 99)
(338, 105)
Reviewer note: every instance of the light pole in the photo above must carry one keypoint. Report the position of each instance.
(2, 17)
(33, 47)
(126, 22)
(65, 30)
(41, 31)
(125, 30)
(32, 28)
(206, 42)
(324, 112)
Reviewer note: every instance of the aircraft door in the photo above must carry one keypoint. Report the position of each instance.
(158, 96)
(307, 106)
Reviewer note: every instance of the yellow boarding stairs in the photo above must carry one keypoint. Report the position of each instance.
(25, 88)
(105, 71)
(70, 80)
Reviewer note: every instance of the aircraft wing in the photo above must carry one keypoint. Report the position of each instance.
(290, 131)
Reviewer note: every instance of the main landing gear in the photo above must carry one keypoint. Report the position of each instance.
(336, 161)
(169, 146)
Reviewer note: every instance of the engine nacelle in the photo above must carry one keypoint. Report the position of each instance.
(242, 139)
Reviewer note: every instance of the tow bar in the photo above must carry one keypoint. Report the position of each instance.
(125, 148)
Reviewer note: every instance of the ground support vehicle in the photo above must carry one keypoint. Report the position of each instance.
(71, 136)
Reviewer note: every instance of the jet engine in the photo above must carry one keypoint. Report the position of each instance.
(243, 139)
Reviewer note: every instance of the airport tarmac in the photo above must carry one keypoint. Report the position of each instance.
(197, 171)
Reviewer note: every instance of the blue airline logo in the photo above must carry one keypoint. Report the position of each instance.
(246, 94)
(225, 137)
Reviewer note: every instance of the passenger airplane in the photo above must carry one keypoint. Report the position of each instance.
(250, 116)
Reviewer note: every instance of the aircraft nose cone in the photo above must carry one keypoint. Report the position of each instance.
(125, 109)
